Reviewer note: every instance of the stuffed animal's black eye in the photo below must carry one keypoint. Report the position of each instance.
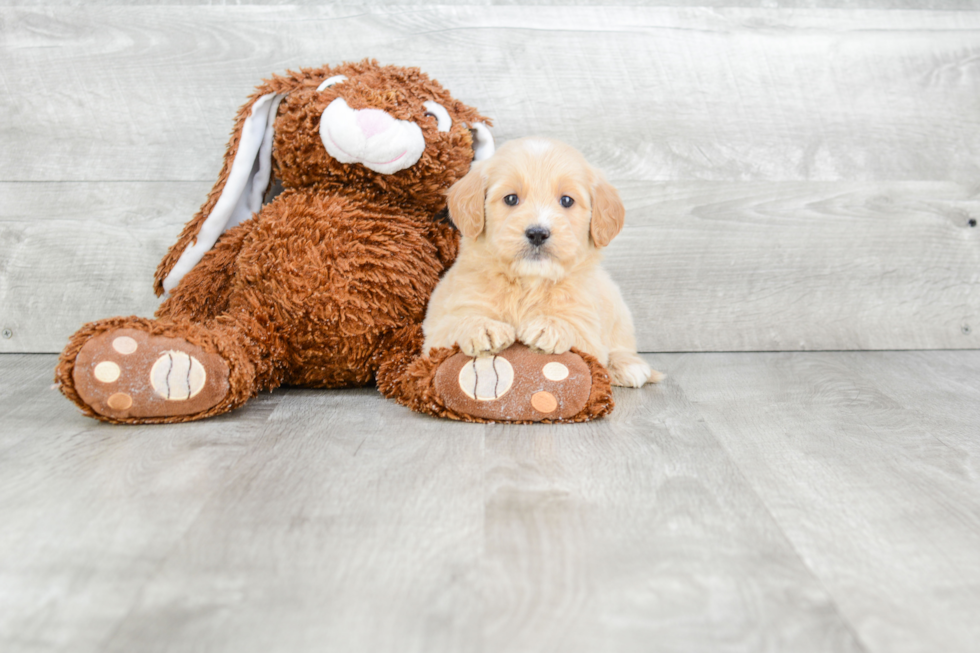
(566, 201)
(511, 200)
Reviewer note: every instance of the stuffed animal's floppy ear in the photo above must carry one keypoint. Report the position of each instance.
(608, 213)
(237, 195)
(483, 145)
(466, 201)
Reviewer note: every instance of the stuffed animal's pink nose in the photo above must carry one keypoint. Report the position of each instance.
(373, 121)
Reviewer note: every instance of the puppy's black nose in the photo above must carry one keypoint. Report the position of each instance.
(537, 235)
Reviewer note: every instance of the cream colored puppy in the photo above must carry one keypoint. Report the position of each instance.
(533, 218)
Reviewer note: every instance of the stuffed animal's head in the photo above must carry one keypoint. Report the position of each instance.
(376, 131)
(387, 128)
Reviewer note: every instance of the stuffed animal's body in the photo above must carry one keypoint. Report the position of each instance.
(322, 285)
(325, 284)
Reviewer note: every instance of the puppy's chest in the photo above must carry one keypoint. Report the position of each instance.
(517, 302)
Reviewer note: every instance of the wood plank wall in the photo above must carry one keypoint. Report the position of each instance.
(796, 178)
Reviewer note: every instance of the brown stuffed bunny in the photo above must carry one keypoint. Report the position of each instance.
(323, 286)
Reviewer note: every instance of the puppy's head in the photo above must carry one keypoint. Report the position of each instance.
(538, 207)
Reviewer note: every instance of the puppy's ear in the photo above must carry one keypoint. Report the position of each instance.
(466, 202)
(608, 212)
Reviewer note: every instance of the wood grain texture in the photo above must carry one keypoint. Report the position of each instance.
(636, 533)
(704, 266)
(920, 5)
(797, 266)
(148, 93)
(155, 538)
(862, 477)
(77, 252)
(795, 179)
(815, 501)
(84, 529)
(375, 523)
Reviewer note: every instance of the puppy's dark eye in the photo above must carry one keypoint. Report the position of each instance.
(511, 200)
(566, 201)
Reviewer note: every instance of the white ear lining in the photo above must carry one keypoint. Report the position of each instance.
(258, 180)
(483, 145)
(244, 188)
(443, 120)
(330, 81)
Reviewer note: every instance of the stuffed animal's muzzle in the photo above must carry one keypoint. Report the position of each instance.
(370, 137)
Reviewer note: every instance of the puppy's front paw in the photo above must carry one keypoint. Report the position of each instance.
(547, 334)
(483, 336)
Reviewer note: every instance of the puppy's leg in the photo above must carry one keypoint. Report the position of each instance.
(625, 367)
(628, 370)
(475, 335)
(547, 334)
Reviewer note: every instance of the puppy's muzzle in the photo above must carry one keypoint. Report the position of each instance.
(537, 235)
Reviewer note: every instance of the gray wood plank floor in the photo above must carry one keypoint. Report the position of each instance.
(809, 501)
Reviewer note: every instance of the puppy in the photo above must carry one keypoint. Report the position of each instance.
(533, 218)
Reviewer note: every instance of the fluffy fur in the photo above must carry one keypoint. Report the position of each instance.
(552, 296)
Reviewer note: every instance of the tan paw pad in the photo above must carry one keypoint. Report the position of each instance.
(544, 402)
(120, 401)
(106, 372)
(125, 345)
(177, 376)
(487, 378)
(555, 371)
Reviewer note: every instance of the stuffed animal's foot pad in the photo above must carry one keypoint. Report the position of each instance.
(515, 385)
(128, 373)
